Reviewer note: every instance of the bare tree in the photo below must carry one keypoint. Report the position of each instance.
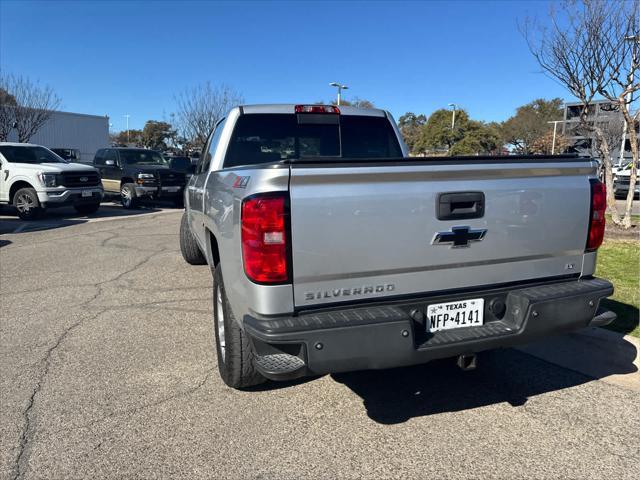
(26, 106)
(199, 109)
(7, 110)
(614, 131)
(591, 48)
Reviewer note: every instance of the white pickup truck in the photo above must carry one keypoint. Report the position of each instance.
(33, 178)
(332, 250)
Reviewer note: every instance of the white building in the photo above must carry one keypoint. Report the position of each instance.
(86, 133)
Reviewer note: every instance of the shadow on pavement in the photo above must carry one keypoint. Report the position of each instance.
(397, 395)
(64, 217)
(4, 243)
(628, 316)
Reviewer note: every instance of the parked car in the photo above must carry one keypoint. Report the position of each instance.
(622, 181)
(33, 178)
(68, 154)
(136, 174)
(182, 164)
(332, 250)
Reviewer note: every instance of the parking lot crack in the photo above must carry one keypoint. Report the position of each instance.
(28, 429)
(145, 406)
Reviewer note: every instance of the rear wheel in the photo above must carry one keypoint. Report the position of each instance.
(188, 246)
(87, 208)
(128, 196)
(234, 349)
(26, 202)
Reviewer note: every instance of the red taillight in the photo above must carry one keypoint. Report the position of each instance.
(597, 220)
(317, 109)
(264, 238)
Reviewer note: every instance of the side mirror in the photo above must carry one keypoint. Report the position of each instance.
(109, 163)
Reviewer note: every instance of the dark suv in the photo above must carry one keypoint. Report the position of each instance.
(137, 173)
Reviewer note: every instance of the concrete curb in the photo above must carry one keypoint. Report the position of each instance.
(602, 354)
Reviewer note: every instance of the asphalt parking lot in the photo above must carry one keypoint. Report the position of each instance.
(108, 371)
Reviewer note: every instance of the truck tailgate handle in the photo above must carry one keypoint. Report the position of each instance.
(460, 205)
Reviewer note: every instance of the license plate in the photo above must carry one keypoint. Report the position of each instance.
(171, 189)
(87, 193)
(459, 314)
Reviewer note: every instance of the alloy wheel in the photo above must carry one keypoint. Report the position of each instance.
(25, 203)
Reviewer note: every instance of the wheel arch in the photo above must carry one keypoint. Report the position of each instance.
(124, 180)
(15, 186)
(213, 252)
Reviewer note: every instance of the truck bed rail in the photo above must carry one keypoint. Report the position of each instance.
(474, 159)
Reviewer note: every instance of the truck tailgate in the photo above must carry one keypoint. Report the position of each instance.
(371, 231)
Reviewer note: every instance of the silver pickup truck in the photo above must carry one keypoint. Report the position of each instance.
(332, 250)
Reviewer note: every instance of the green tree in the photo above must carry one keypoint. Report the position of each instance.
(437, 133)
(410, 126)
(132, 138)
(355, 102)
(531, 122)
(156, 134)
(479, 138)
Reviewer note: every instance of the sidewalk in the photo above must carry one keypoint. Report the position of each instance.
(608, 356)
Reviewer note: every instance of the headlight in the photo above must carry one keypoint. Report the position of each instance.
(48, 179)
(146, 176)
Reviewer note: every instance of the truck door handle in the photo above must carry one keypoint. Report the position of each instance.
(460, 205)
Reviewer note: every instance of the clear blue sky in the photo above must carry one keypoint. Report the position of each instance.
(112, 58)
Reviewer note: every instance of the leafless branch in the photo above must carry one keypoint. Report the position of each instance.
(199, 109)
(591, 47)
(28, 106)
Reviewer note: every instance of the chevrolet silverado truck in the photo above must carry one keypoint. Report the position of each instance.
(139, 174)
(333, 250)
(33, 178)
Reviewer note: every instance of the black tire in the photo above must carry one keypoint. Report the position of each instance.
(188, 246)
(26, 202)
(235, 357)
(87, 208)
(128, 196)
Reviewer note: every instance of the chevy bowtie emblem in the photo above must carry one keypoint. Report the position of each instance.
(84, 179)
(458, 237)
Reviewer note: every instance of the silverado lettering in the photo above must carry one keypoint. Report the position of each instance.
(342, 292)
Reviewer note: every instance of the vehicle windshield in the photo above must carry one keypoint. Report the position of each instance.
(142, 157)
(28, 154)
(269, 137)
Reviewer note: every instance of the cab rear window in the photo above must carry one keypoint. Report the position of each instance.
(270, 137)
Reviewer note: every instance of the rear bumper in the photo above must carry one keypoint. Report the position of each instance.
(385, 336)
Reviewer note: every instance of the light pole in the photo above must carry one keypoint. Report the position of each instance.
(555, 127)
(127, 117)
(453, 115)
(340, 88)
